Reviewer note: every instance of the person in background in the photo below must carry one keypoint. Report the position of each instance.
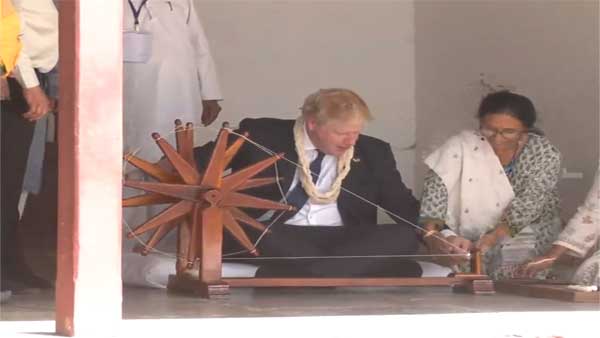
(24, 105)
(10, 45)
(168, 71)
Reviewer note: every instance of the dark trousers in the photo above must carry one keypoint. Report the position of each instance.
(16, 134)
(323, 241)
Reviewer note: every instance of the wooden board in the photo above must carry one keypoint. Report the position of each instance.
(341, 282)
(186, 282)
(547, 289)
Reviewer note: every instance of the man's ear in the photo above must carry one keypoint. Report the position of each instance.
(311, 123)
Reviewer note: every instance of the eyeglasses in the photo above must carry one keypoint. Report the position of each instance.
(507, 134)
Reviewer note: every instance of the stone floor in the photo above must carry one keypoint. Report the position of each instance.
(324, 312)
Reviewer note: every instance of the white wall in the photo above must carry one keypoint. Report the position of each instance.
(272, 54)
(547, 50)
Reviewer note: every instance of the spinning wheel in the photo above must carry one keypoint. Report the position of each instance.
(201, 205)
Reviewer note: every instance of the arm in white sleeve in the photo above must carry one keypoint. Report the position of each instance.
(207, 72)
(24, 71)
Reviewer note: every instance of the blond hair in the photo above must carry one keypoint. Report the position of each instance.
(335, 103)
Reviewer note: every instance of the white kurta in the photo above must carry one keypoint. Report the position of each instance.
(173, 82)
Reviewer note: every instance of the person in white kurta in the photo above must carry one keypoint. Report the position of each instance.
(168, 72)
(581, 238)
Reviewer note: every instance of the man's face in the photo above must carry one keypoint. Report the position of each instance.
(334, 137)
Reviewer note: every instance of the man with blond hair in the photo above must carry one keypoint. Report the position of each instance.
(341, 175)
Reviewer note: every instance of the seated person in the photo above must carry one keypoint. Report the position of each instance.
(580, 237)
(326, 140)
(486, 186)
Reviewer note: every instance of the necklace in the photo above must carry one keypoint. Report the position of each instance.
(343, 168)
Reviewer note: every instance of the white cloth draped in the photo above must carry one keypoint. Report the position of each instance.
(478, 189)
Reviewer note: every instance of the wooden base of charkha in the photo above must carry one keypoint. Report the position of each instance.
(462, 283)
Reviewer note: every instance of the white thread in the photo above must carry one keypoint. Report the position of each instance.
(270, 152)
(170, 255)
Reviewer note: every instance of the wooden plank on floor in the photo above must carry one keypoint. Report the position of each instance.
(341, 282)
(556, 291)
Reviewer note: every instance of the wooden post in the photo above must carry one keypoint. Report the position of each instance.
(88, 287)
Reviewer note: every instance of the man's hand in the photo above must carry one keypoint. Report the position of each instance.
(438, 245)
(435, 243)
(210, 111)
(459, 246)
(4, 89)
(39, 104)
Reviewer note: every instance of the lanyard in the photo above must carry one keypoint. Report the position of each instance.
(136, 13)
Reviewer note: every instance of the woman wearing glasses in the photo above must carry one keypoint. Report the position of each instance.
(494, 189)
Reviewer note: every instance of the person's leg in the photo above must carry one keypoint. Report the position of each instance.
(380, 241)
(293, 243)
(16, 139)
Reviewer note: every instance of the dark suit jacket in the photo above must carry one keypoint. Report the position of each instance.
(373, 174)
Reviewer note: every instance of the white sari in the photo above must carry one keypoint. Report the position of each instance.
(478, 189)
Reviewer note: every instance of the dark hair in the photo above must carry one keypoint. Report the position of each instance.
(513, 104)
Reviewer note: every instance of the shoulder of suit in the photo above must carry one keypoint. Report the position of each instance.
(372, 149)
(370, 141)
(264, 122)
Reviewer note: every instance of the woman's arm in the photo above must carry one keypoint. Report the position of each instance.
(528, 204)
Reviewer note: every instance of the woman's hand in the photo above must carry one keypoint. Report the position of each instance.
(486, 242)
(492, 238)
(540, 263)
(531, 268)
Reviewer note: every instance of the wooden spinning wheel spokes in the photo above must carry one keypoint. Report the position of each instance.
(201, 203)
